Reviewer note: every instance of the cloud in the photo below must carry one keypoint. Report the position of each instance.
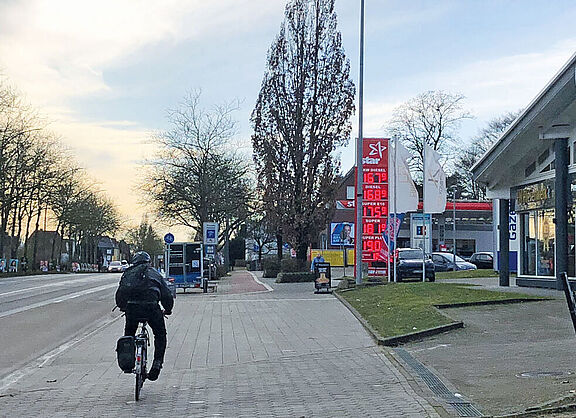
(491, 87)
(110, 157)
(55, 50)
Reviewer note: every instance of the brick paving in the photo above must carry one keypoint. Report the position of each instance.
(285, 353)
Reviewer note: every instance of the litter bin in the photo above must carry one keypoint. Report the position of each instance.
(323, 279)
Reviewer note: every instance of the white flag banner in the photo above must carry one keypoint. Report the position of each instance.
(435, 181)
(400, 181)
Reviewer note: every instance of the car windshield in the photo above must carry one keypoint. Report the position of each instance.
(450, 258)
(410, 254)
(115, 263)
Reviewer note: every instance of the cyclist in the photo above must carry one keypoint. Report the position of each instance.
(143, 304)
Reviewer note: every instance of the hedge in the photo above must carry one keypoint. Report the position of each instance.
(295, 277)
(271, 267)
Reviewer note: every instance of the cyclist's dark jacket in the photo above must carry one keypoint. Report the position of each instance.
(157, 292)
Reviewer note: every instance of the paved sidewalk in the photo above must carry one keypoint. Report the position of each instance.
(507, 358)
(285, 353)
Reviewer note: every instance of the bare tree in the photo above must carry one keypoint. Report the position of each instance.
(197, 177)
(468, 156)
(145, 238)
(301, 116)
(432, 117)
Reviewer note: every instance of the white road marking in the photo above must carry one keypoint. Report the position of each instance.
(46, 358)
(259, 282)
(44, 286)
(58, 300)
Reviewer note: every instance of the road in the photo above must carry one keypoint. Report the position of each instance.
(254, 348)
(38, 314)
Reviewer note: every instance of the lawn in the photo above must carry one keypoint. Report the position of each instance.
(402, 308)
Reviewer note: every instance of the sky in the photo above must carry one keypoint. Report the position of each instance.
(106, 72)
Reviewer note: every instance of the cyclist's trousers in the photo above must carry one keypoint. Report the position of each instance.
(153, 314)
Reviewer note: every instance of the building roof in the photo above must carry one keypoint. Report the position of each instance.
(505, 163)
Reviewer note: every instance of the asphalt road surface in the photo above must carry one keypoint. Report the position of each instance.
(39, 315)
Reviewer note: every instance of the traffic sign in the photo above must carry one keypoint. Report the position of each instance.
(211, 233)
(168, 238)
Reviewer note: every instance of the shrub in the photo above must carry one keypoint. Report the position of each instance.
(271, 267)
(239, 263)
(292, 265)
(295, 277)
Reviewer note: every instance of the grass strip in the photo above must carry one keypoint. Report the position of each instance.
(466, 274)
(402, 308)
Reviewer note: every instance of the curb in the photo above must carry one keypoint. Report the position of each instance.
(399, 339)
(488, 302)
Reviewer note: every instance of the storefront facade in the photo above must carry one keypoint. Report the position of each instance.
(522, 172)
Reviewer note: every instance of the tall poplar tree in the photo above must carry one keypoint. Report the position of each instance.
(301, 116)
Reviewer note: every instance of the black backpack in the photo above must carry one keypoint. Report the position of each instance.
(134, 286)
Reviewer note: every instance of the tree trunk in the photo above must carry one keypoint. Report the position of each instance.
(279, 244)
(35, 251)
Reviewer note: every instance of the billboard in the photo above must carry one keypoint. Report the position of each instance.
(342, 233)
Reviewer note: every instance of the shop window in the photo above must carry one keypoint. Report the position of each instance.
(546, 240)
(528, 230)
(539, 236)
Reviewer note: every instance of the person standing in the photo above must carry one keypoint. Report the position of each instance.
(315, 261)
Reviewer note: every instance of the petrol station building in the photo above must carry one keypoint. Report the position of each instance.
(530, 172)
(474, 226)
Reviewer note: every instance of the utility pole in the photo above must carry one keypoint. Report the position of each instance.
(454, 225)
(359, 152)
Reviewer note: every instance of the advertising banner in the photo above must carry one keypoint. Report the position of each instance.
(342, 234)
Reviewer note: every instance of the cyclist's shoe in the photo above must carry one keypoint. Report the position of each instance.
(154, 370)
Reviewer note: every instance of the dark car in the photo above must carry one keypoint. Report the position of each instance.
(483, 260)
(447, 262)
(409, 265)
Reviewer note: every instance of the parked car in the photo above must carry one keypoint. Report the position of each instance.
(483, 260)
(409, 264)
(447, 262)
(125, 265)
(115, 267)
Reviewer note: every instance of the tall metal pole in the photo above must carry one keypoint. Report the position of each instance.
(454, 226)
(424, 210)
(359, 143)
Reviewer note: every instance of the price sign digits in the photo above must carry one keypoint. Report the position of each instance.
(375, 177)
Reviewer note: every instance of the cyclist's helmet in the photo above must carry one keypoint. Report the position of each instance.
(141, 257)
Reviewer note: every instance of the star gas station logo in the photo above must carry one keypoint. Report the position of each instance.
(376, 153)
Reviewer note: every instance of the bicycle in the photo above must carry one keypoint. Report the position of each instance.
(142, 342)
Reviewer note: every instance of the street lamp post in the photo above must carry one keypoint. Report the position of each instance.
(359, 179)
(454, 225)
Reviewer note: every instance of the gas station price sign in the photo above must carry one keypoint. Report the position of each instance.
(374, 198)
